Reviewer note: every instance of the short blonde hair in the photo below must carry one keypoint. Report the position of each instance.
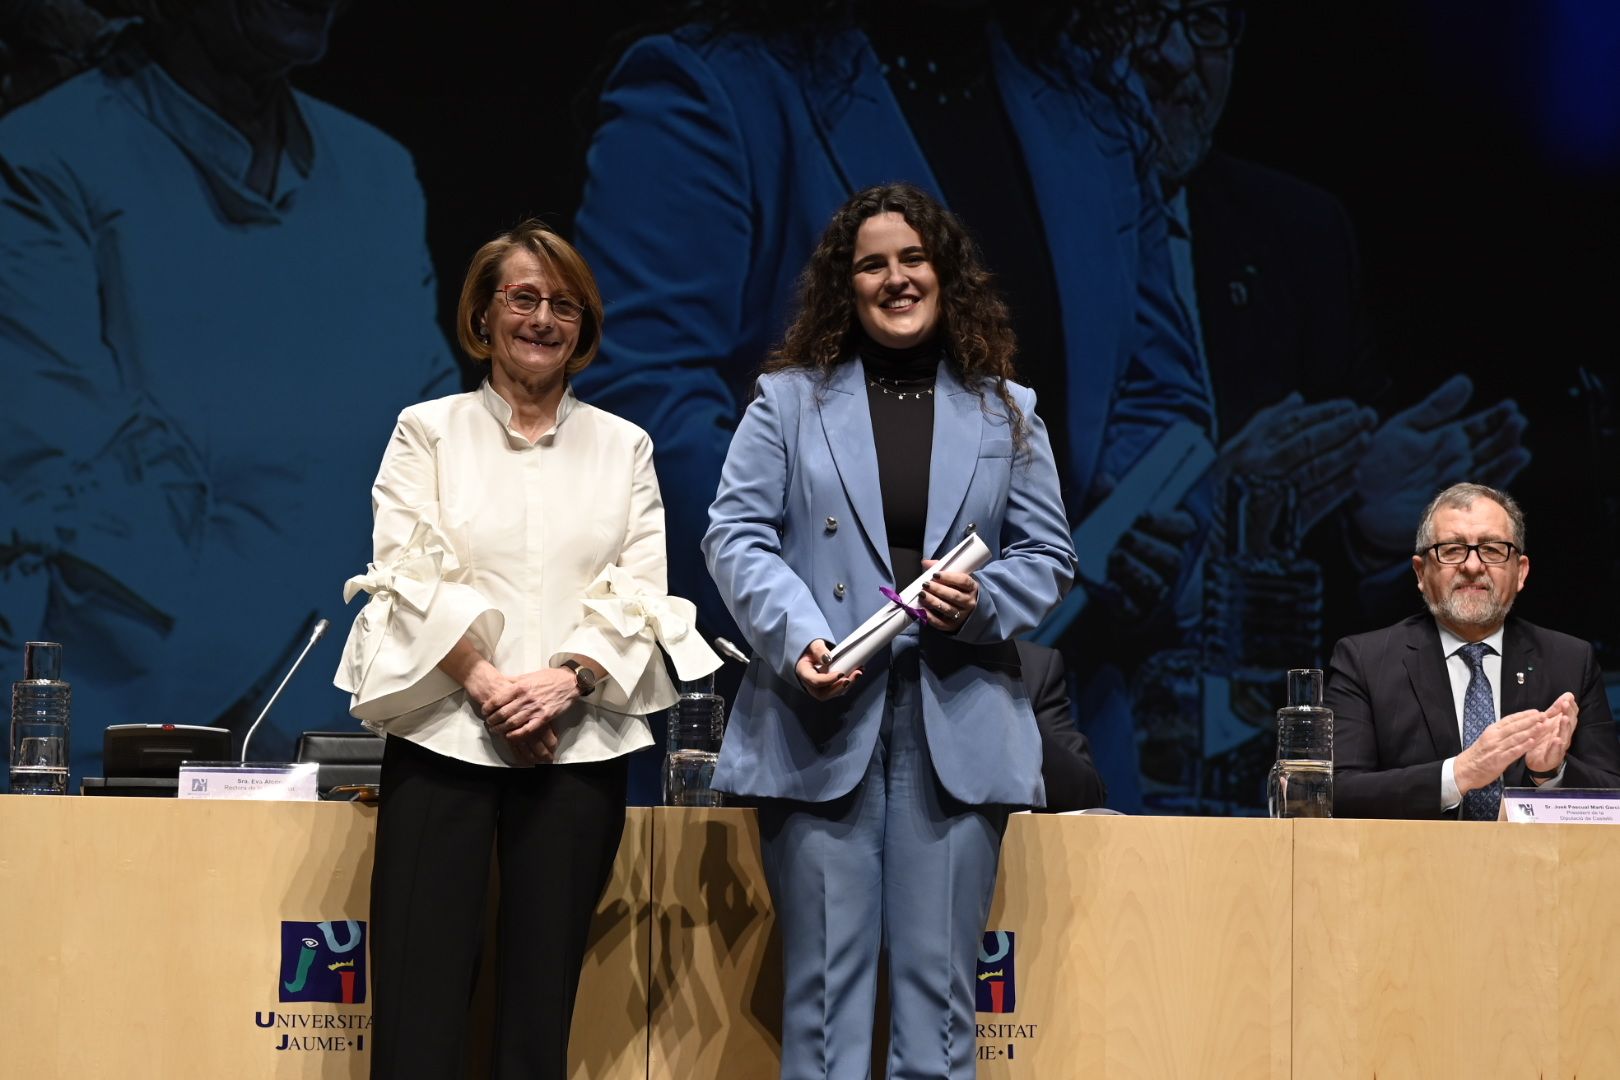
(561, 262)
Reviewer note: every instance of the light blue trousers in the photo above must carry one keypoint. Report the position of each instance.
(896, 863)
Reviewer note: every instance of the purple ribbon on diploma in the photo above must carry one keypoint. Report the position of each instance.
(915, 612)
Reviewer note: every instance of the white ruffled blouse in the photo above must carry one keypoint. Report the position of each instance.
(532, 550)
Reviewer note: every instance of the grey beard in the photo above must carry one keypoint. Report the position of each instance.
(1458, 610)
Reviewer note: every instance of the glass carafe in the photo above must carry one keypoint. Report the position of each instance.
(1301, 782)
(696, 724)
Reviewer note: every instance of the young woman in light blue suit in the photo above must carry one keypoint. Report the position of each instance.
(885, 429)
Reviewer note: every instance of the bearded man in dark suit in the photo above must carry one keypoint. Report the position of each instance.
(1434, 715)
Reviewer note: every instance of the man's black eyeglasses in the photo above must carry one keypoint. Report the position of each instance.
(1491, 552)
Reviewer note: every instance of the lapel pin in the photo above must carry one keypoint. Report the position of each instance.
(1520, 677)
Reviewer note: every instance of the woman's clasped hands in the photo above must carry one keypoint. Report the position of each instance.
(522, 708)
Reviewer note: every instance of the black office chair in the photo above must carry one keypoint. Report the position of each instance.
(346, 758)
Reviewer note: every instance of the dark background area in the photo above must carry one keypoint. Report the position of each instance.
(1475, 145)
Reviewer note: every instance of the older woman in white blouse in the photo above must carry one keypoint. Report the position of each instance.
(509, 652)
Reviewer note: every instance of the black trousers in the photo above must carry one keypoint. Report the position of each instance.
(555, 830)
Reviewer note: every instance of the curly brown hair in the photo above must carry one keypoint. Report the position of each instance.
(975, 331)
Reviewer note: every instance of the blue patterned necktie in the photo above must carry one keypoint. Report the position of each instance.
(1479, 713)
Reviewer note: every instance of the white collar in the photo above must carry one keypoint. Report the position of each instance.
(501, 409)
(1450, 643)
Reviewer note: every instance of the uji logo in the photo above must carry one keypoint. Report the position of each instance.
(324, 961)
(995, 989)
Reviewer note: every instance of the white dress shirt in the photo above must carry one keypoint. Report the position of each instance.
(534, 551)
(1460, 673)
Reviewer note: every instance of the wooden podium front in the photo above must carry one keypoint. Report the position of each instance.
(148, 938)
(1207, 948)
(157, 938)
(1140, 947)
(1466, 949)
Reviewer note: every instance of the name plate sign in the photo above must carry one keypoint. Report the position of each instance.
(1561, 806)
(275, 782)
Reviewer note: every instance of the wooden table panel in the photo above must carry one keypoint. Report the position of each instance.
(1147, 947)
(1588, 953)
(1425, 949)
(716, 987)
(141, 937)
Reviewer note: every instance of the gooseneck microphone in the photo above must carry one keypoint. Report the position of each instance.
(314, 636)
(730, 651)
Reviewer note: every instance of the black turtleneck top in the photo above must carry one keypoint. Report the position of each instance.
(900, 396)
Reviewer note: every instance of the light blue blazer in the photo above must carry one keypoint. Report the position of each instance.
(797, 547)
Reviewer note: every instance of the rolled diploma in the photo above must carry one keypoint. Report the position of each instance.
(887, 622)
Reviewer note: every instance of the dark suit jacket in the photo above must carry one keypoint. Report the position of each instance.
(1278, 299)
(1072, 779)
(1279, 305)
(1395, 721)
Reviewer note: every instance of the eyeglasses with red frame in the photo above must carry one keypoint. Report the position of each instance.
(525, 299)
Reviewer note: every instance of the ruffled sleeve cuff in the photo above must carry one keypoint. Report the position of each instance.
(413, 620)
(623, 629)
